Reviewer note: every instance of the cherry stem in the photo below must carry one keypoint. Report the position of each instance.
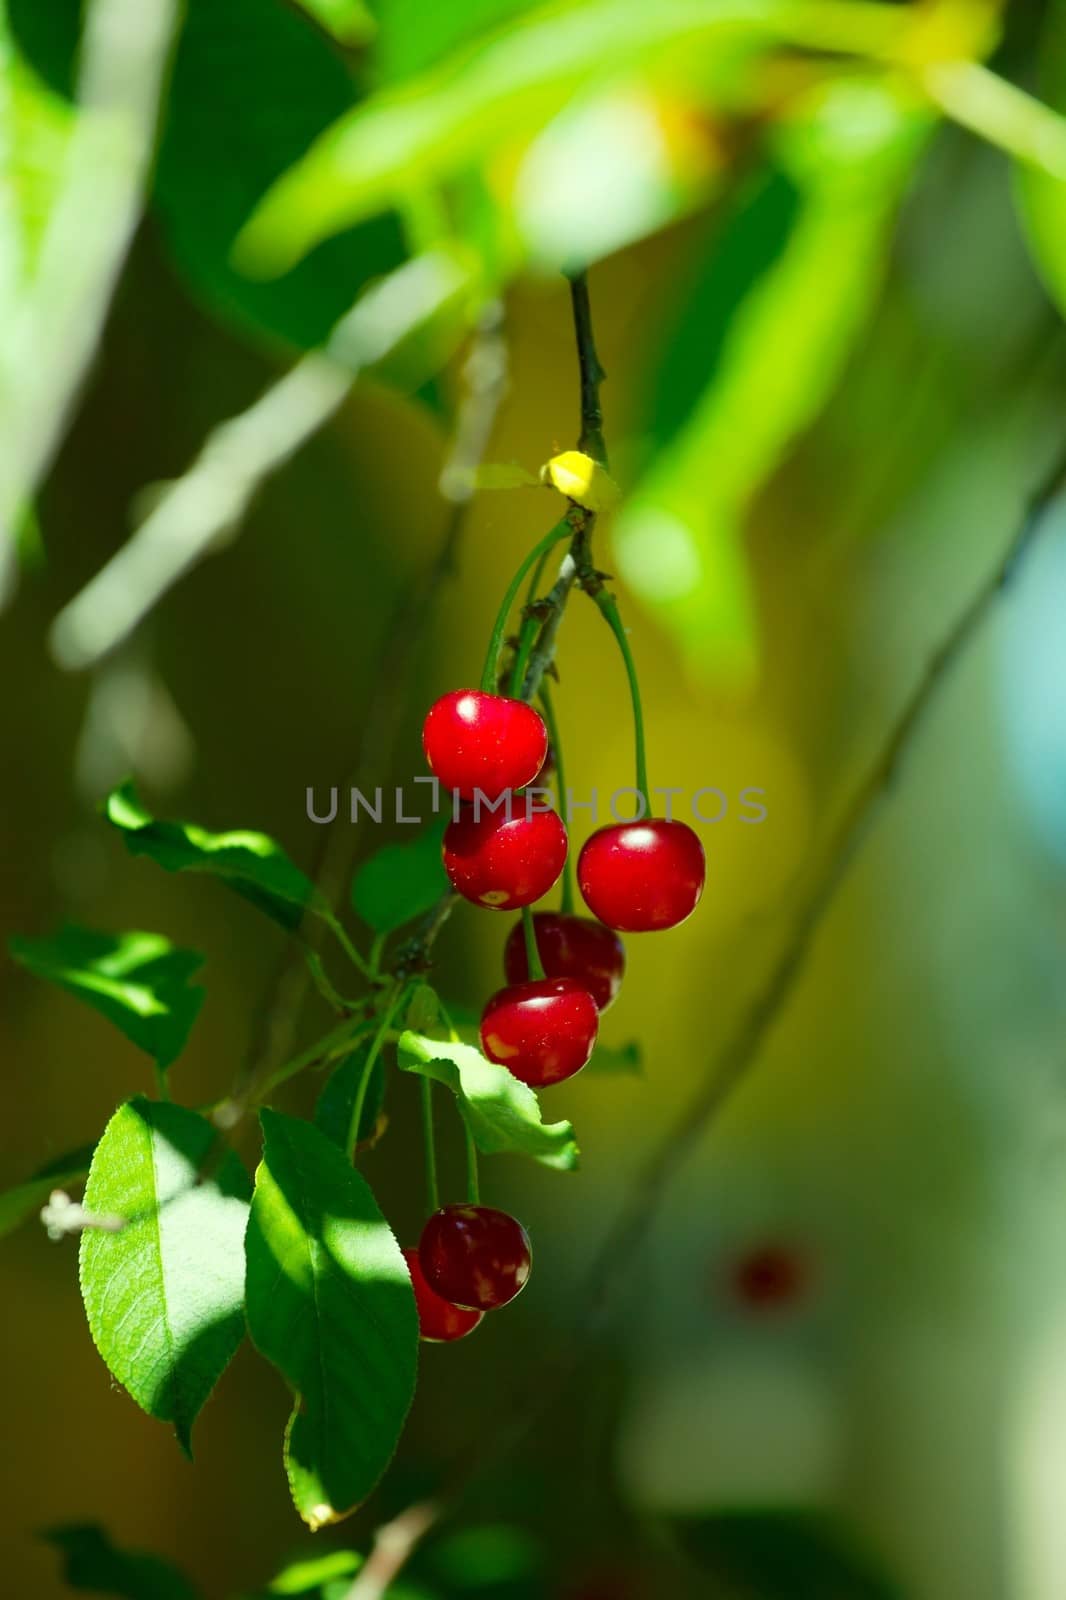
(473, 1188)
(547, 706)
(526, 640)
(609, 607)
(432, 1193)
(368, 1067)
(533, 961)
(592, 373)
(489, 676)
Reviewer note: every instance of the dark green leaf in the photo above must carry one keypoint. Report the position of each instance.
(805, 1555)
(138, 981)
(401, 881)
(254, 81)
(250, 863)
(330, 1303)
(164, 1294)
(333, 1110)
(25, 1198)
(502, 1114)
(93, 1564)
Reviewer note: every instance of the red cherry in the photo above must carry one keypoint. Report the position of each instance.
(642, 876)
(479, 741)
(504, 864)
(542, 1031)
(475, 1256)
(570, 947)
(439, 1322)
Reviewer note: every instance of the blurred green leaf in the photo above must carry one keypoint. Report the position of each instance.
(1041, 198)
(333, 1109)
(330, 1303)
(25, 1198)
(502, 1114)
(138, 981)
(762, 1555)
(776, 311)
(622, 1060)
(164, 1293)
(93, 1564)
(35, 129)
(401, 881)
(315, 1575)
(497, 90)
(413, 37)
(350, 22)
(253, 81)
(251, 864)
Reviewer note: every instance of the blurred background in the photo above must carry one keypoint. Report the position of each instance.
(830, 322)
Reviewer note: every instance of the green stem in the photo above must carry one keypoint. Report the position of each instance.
(561, 530)
(377, 950)
(323, 983)
(341, 933)
(547, 706)
(432, 1193)
(473, 1189)
(371, 1057)
(526, 640)
(162, 1087)
(609, 607)
(330, 1048)
(533, 961)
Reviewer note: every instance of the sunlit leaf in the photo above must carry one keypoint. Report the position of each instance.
(35, 129)
(310, 1576)
(500, 88)
(413, 36)
(401, 881)
(250, 863)
(330, 1303)
(21, 1202)
(93, 1564)
(164, 1294)
(608, 170)
(138, 981)
(502, 1114)
(771, 342)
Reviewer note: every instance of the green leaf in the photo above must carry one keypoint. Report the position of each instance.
(138, 981)
(250, 863)
(1042, 198)
(163, 1295)
(401, 881)
(254, 81)
(333, 1109)
(804, 1554)
(330, 1303)
(310, 1576)
(413, 37)
(502, 1114)
(92, 1563)
(35, 131)
(25, 1198)
(350, 22)
(778, 305)
(491, 93)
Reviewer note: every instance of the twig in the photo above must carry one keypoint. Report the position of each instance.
(742, 1049)
(592, 373)
(392, 1547)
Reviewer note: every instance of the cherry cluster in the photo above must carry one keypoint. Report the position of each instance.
(562, 970)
